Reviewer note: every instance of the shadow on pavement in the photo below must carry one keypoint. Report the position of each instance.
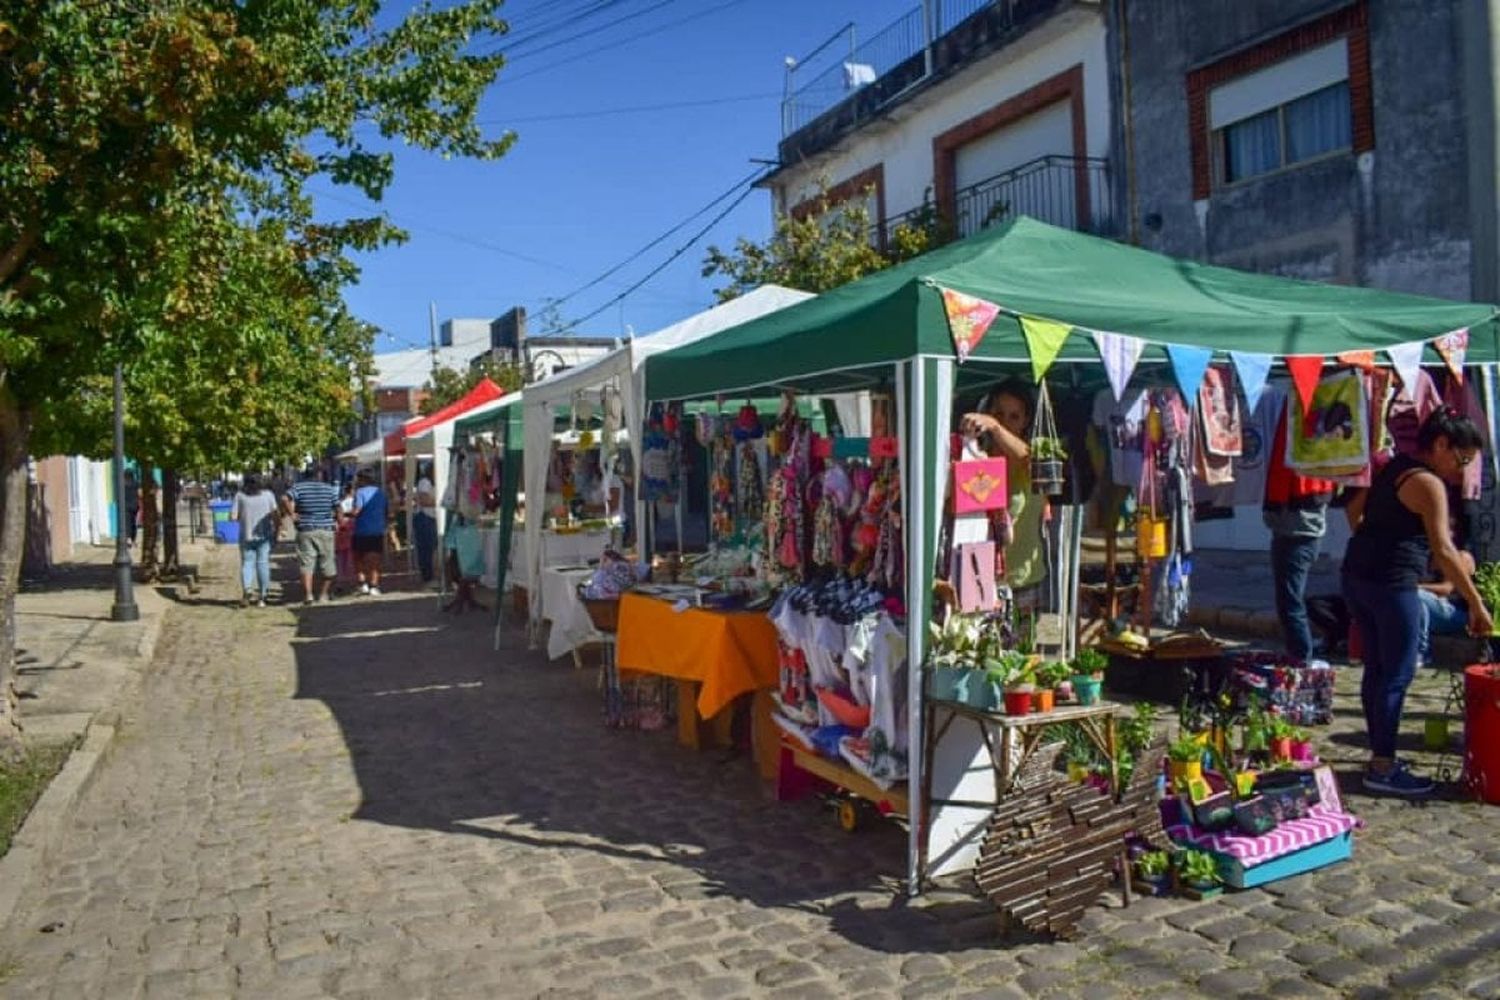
(446, 734)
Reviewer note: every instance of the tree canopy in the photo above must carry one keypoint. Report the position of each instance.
(830, 246)
(155, 211)
(447, 385)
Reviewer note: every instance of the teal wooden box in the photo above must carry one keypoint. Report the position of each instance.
(1339, 848)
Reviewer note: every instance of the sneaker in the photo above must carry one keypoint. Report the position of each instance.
(373, 591)
(307, 602)
(364, 589)
(1398, 781)
(260, 603)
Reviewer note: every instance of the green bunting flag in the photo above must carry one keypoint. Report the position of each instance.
(1044, 339)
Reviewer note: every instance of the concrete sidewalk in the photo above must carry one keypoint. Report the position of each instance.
(72, 661)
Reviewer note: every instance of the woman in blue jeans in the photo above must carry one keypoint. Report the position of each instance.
(255, 510)
(1400, 526)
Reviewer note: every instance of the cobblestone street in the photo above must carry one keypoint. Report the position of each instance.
(364, 800)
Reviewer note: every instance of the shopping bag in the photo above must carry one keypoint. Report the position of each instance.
(979, 482)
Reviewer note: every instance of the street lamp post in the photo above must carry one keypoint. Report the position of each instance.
(124, 609)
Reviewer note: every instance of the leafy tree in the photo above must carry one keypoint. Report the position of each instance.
(154, 162)
(447, 385)
(823, 249)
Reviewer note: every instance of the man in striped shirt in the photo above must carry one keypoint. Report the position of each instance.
(313, 505)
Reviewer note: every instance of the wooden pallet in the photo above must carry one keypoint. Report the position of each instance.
(1051, 847)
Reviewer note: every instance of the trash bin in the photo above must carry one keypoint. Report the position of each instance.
(225, 530)
(1482, 731)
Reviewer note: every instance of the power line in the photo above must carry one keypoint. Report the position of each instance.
(591, 31)
(472, 241)
(623, 41)
(658, 240)
(664, 264)
(547, 27)
(635, 109)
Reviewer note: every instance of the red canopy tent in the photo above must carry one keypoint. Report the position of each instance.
(485, 392)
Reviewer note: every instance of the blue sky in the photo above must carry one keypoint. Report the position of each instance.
(578, 195)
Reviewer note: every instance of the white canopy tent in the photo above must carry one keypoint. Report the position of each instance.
(623, 369)
(434, 443)
(369, 453)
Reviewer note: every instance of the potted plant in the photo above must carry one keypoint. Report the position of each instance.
(1257, 728)
(1198, 874)
(1080, 762)
(1047, 457)
(1487, 582)
(954, 644)
(1280, 739)
(1088, 675)
(1049, 676)
(1302, 748)
(1019, 684)
(1185, 756)
(1153, 873)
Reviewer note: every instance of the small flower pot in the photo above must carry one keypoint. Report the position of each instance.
(943, 684)
(1087, 689)
(1159, 885)
(1018, 702)
(1302, 751)
(1201, 890)
(1046, 476)
(1244, 783)
(978, 692)
(1078, 773)
(1185, 770)
(1064, 690)
(1043, 700)
(1281, 748)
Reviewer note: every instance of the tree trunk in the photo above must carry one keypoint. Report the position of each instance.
(150, 523)
(15, 439)
(170, 491)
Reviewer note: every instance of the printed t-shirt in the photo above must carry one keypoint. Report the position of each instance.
(1124, 427)
(369, 511)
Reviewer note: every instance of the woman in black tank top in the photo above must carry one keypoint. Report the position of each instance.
(1400, 528)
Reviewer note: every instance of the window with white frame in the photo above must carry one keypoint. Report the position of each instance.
(1294, 111)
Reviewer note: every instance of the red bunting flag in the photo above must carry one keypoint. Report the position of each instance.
(969, 319)
(1305, 369)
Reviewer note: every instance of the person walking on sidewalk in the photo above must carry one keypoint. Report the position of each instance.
(424, 523)
(369, 531)
(1400, 525)
(254, 509)
(311, 504)
(1295, 509)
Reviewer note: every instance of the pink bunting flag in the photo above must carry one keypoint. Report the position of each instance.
(969, 319)
(1452, 347)
(1305, 369)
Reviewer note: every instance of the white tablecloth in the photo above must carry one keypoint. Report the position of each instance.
(557, 550)
(571, 625)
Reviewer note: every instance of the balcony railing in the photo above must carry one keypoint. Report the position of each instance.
(1067, 191)
(845, 64)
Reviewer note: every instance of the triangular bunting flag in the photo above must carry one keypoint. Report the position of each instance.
(1407, 360)
(1252, 370)
(1363, 360)
(1188, 366)
(1044, 339)
(1305, 369)
(1452, 347)
(1119, 353)
(969, 320)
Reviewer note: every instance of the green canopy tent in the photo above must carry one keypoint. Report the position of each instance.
(890, 330)
(508, 425)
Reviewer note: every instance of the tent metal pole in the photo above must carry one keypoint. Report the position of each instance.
(910, 425)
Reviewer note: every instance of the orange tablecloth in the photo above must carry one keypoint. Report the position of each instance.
(730, 653)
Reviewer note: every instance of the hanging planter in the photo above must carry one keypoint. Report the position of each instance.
(1048, 455)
